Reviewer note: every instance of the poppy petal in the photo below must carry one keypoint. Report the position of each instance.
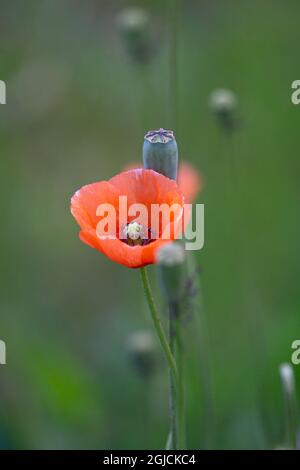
(189, 181)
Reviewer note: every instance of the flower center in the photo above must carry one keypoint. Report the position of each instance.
(133, 234)
(136, 234)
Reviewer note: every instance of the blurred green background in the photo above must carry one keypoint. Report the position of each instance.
(77, 109)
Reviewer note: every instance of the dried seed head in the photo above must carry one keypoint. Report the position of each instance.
(223, 103)
(141, 342)
(223, 100)
(133, 19)
(141, 347)
(134, 25)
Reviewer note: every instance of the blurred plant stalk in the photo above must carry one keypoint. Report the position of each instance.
(140, 44)
(171, 267)
(287, 378)
(173, 10)
(167, 349)
(142, 353)
(194, 296)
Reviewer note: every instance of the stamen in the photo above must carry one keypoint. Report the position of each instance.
(136, 234)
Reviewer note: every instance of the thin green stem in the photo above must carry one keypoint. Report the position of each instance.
(290, 404)
(158, 326)
(173, 398)
(181, 394)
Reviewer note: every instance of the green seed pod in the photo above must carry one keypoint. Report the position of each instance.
(171, 266)
(160, 152)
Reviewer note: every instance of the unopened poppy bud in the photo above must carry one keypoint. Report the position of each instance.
(134, 25)
(160, 152)
(141, 348)
(223, 103)
(170, 260)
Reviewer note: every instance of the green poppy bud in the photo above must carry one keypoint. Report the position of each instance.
(160, 152)
(171, 265)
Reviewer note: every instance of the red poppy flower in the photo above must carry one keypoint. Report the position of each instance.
(139, 186)
(188, 180)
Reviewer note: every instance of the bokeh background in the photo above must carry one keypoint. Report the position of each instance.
(77, 109)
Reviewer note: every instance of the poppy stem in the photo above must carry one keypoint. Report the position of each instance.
(173, 396)
(158, 326)
(181, 392)
(169, 355)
